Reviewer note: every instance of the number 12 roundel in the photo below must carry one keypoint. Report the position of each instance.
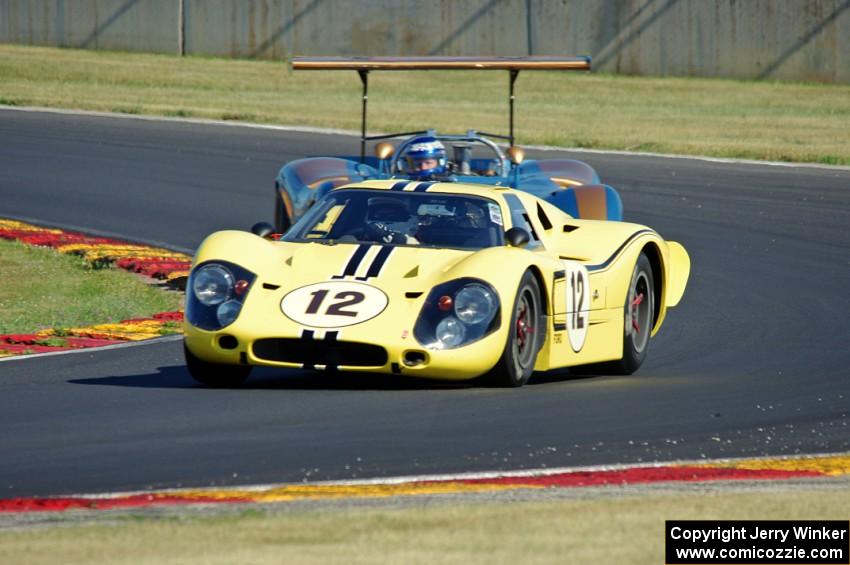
(333, 304)
(578, 303)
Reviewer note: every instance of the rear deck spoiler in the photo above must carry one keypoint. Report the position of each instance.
(440, 63)
(363, 65)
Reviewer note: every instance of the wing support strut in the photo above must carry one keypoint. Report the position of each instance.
(364, 64)
(364, 78)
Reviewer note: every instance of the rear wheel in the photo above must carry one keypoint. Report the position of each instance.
(525, 337)
(215, 374)
(638, 315)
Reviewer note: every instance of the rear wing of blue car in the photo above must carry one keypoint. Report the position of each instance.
(363, 65)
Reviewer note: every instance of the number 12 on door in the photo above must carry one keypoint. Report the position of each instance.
(578, 303)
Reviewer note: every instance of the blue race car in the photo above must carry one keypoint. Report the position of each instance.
(426, 156)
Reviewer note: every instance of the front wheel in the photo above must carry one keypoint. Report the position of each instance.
(215, 374)
(525, 336)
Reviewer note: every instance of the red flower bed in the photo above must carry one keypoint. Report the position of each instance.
(97, 251)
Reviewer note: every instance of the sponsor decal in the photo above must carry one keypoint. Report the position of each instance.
(495, 214)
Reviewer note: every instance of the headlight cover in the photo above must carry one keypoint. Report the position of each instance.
(212, 284)
(474, 304)
(215, 293)
(457, 313)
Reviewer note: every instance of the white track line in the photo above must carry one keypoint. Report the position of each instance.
(406, 479)
(351, 133)
(99, 233)
(99, 348)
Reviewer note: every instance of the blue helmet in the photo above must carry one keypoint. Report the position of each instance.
(425, 157)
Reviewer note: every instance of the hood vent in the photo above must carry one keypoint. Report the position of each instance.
(544, 219)
(568, 228)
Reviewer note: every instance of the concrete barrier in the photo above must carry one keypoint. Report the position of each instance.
(766, 39)
(118, 25)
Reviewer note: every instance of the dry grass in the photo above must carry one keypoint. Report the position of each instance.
(624, 530)
(725, 118)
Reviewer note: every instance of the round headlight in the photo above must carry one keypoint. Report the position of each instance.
(212, 284)
(227, 312)
(450, 332)
(474, 304)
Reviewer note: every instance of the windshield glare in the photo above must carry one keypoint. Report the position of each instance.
(402, 218)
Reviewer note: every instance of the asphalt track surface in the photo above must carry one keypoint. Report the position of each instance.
(754, 361)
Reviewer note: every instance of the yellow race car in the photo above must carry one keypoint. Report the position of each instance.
(439, 280)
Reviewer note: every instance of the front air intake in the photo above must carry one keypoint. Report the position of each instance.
(319, 352)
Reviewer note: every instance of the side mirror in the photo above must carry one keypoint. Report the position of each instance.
(515, 154)
(517, 237)
(384, 150)
(262, 229)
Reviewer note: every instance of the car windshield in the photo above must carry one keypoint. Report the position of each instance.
(402, 218)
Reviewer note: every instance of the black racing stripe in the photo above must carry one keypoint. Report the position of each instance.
(354, 262)
(605, 264)
(378, 263)
(423, 187)
(400, 185)
(331, 337)
(307, 335)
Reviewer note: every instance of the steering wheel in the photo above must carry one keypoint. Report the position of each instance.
(381, 233)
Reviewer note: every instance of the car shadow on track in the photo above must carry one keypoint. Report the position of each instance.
(176, 376)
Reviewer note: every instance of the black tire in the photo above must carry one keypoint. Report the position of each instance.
(638, 317)
(215, 374)
(525, 336)
(282, 222)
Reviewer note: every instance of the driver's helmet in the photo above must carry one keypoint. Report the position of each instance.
(425, 157)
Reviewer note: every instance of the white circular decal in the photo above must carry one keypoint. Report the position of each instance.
(333, 304)
(578, 303)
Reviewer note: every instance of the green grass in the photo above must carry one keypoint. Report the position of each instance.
(716, 117)
(622, 529)
(42, 289)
